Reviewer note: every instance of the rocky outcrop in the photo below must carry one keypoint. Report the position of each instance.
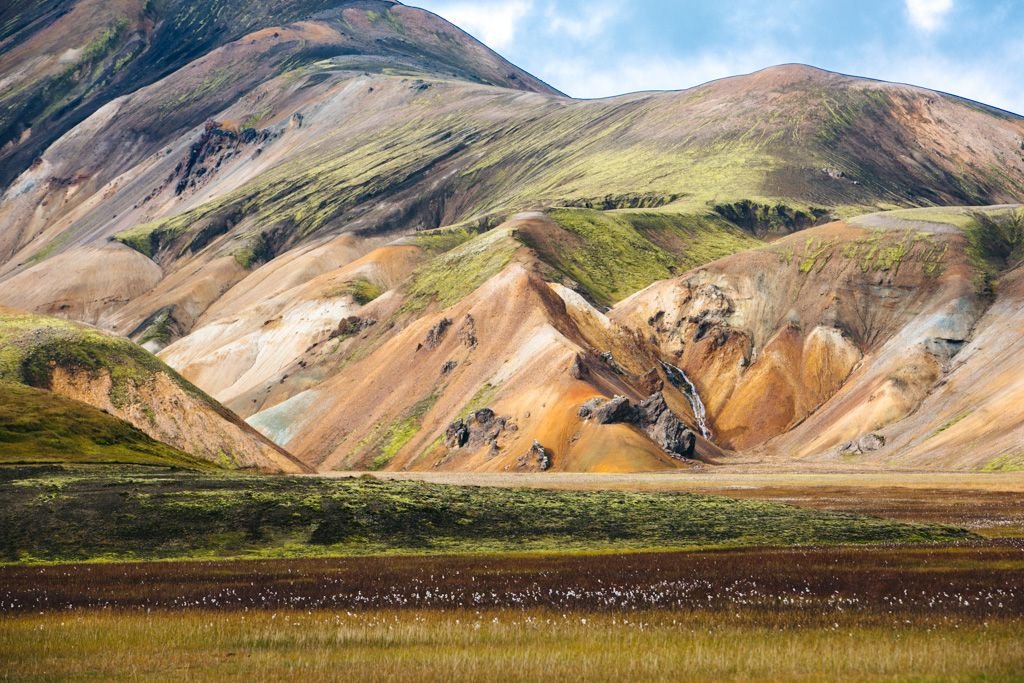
(467, 332)
(479, 428)
(436, 334)
(351, 326)
(865, 444)
(579, 369)
(653, 416)
(664, 428)
(618, 409)
(537, 457)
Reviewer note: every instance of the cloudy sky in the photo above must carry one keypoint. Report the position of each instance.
(595, 48)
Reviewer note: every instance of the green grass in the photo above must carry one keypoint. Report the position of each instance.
(37, 426)
(363, 291)
(1008, 462)
(615, 254)
(402, 431)
(506, 645)
(995, 238)
(448, 278)
(32, 347)
(79, 513)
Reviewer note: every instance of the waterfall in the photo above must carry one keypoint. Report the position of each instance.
(682, 382)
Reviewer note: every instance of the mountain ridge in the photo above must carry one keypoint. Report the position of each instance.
(342, 212)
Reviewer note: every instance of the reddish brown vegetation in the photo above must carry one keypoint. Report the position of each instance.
(963, 582)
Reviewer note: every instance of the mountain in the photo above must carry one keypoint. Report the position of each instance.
(70, 390)
(384, 246)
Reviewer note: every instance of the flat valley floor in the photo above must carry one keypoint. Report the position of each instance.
(887, 611)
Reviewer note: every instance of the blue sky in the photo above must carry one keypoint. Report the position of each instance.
(596, 48)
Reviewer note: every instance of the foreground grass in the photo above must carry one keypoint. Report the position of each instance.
(65, 513)
(499, 645)
(39, 426)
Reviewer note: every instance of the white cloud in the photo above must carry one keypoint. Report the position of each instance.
(581, 25)
(632, 73)
(928, 15)
(494, 24)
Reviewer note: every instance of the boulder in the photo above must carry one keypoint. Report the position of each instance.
(456, 435)
(865, 444)
(618, 409)
(477, 429)
(537, 456)
(586, 410)
(663, 427)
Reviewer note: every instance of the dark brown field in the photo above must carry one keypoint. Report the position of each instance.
(971, 582)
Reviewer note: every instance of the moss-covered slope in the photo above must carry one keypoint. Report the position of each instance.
(112, 374)
(38, 426)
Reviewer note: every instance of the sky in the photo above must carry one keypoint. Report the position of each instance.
(597, 48)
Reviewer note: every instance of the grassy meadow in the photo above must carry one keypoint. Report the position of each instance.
(66, 513)
(360, 578)
(869, 613)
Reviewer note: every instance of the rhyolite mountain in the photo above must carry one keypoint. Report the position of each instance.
(384, 246)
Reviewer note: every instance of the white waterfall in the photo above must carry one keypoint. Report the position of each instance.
(683, 383)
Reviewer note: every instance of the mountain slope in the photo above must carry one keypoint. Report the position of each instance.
(38, 426)
(113, 375)
(124, 46)
(384, 246)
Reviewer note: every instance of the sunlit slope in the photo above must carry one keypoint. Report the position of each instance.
(338, 149)
(82, 365)
(861, 343)
(39, 426)
(68, 58)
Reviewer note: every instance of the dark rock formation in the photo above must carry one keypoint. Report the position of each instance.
(653, 416)
(579, 369)
(351, 326)
(664, 428)
(618, 409)
(436, 334)
(448, 366)
(477, 429)
(609, 359)
(456, 435)
(586, 410)
(467, 332)
(537, 455)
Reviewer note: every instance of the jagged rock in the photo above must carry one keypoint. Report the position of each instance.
(865, 444)
(653, 416)
(478, 428)
(456, 435)
(609, 359)
(437, 333)
(536, 455)
(618, 409)
(467, 332)
(448, 367)
(586, 410)
(664, 428)
(579, 369)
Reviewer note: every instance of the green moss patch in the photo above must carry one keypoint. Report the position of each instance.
(614, 254)
(117, 513)
(447, 279)
(32, 347)
(37, 426)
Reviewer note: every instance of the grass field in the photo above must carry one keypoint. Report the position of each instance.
(414, 580)
(933, 613)
(67, 513)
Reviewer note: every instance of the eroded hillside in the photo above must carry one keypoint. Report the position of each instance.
(386, 247)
